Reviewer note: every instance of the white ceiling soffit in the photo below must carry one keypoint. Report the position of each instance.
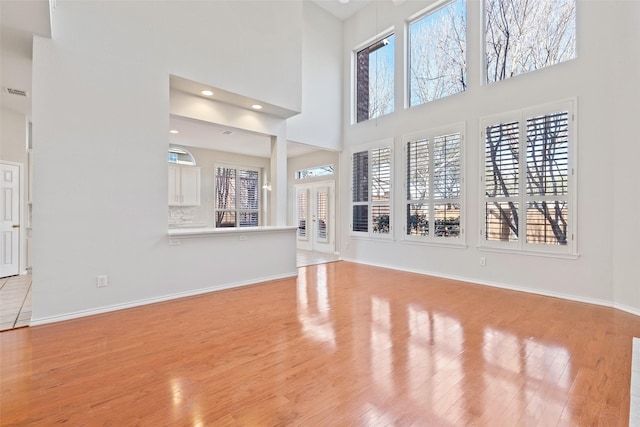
(196, 88)
(342, 10)
(211, 136)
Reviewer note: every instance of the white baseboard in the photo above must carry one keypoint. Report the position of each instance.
(137, 303)
(575, 298)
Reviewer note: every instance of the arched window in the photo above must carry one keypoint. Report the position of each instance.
(180, 156)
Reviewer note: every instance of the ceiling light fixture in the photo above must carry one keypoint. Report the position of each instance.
(256, 107)
(207, 92)
(173, 131)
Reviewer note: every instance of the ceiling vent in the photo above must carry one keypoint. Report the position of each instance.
(17, 92)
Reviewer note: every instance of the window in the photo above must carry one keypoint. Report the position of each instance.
(434, 183)
(528, 180)
(374, 79)
(237, 196)
(314, 172)
(371, 192)
(522, 35)
(181, 156)
(437, 53)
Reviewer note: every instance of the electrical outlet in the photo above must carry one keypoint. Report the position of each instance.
(483, 261)
(102, 281)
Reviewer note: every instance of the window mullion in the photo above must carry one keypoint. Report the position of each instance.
(522, 181)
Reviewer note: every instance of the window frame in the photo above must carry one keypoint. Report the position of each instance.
(173, 149)
(431, 238)
(570, 250)
(423, 14)
(483, 48)
(300, 172)
(378, 38)
(237, 210)
(382, 144)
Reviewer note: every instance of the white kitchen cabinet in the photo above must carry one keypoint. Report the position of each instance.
(184, 185)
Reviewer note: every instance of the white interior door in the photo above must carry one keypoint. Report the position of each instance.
(315, 213)
(10, 219)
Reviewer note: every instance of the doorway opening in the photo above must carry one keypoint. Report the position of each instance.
(315, 218)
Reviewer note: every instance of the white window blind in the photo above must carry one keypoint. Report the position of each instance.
(371, 191)
(302, 211)
(237, 197)
(434, 179)
(528, 180)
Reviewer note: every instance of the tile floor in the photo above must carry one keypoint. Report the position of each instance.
(305, 258)
(15, 302)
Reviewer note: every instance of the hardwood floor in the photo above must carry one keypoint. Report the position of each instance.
(344, 344)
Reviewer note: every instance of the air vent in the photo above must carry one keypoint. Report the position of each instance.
(17, 92)
(227, 132)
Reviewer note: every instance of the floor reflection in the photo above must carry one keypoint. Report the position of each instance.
(453, 372)
(314, 306)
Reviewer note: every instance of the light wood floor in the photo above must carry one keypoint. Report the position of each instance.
(344, 344)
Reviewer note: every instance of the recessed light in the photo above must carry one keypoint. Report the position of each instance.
(173, 131)
(256, 107)
(207, 92)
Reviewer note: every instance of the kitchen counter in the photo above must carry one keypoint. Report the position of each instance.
(185, 232)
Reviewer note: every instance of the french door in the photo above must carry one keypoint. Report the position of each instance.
(315, 216)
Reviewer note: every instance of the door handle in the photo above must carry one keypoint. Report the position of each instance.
(16, 225)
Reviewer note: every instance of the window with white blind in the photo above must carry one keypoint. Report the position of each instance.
(371, 191)
(237, 200)
(434, 185)
(529, 180)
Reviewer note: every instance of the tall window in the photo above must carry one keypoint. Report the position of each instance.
(371, 192)
(528, 180)
(237, 197)
(524, 35)
(434, 182)
(374, 79)
(437, 53)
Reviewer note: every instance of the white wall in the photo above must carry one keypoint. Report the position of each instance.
(13, 136)
(320, 123)
(101, 117)
(624, 66)
(605, 86)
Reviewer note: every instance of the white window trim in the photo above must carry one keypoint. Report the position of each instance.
(459, 242)
(483, 52)
(423, 13)
(354, 75)
(570, 250)
(261, 199)
(385, 143)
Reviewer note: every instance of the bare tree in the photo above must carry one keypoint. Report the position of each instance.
(438, 54)
(526, 35)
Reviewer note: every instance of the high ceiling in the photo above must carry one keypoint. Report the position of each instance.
(342, 10)
(20, 20)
